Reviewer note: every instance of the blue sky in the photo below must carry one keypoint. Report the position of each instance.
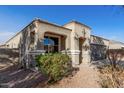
(105, 21)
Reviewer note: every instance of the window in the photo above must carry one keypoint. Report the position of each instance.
(51, 44)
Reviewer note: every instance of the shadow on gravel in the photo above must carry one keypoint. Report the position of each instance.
(15, 77)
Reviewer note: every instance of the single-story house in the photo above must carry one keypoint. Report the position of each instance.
(44, 37)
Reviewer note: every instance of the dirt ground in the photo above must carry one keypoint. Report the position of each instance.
(14, 77)
(86, 77)
(11, 75)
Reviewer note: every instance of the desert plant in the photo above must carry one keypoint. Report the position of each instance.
(114, 56)
(110, 77)
(55, 66)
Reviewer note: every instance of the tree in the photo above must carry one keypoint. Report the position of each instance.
(114, 56)
(112, 75)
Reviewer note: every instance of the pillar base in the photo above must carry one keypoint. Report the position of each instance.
(74, 54)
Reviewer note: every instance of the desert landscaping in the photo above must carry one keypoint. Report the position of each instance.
(90, 75)
(11, 75)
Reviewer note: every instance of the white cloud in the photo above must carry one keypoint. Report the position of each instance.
(5, 35)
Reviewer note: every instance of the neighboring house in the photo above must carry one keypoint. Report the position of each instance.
(116, 45)
(2, 46)
(74, 37)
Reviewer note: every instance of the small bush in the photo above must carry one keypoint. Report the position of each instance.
(55, 66)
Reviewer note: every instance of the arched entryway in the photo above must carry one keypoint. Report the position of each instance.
(54, 42)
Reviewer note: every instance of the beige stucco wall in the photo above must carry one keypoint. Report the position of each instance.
(14, 42)
(41, 29)
(78, 32)
(44, 27)
(99, 40)
(115, 45)
(108, 43)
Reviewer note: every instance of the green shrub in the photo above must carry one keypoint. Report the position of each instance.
(55, 66)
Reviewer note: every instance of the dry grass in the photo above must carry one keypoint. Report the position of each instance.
(112, 78)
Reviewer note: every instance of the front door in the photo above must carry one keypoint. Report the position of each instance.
(80, 48)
